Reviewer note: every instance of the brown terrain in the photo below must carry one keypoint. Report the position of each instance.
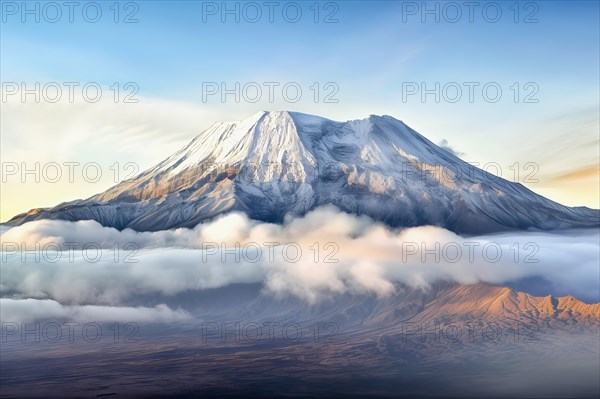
(447, 341)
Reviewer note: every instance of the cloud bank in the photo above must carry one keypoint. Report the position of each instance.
(323, 254)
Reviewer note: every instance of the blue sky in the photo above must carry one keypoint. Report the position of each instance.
(170, 50)
(373, 49)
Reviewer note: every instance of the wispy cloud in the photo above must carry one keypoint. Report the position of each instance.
(585, 173)
(446, 146)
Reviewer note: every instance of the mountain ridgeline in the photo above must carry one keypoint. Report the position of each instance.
(281, 163)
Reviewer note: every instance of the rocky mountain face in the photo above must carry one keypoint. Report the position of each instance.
(444, 303)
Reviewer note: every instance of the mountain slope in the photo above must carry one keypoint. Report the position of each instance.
(442, 302)
(435, 343)
(275, 163)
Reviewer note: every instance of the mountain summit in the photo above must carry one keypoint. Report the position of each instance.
(278, 163)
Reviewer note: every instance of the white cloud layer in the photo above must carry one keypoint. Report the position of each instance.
(322, 254)
(25, 310)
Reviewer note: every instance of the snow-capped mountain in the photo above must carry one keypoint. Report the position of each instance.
(278, 163)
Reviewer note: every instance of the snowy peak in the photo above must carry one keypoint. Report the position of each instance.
(262, 141)
(278, 162)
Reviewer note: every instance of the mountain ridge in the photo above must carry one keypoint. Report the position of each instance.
(279, 162)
